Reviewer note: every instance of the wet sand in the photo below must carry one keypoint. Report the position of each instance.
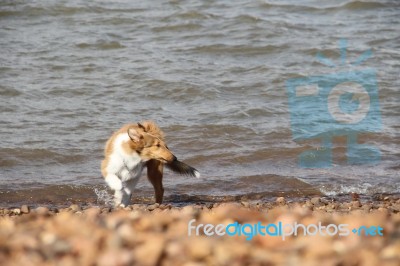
(143, 234)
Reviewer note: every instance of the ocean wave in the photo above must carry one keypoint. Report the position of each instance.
(20, 156)
(9, 92)
(177, 27)
(363, 188)
(101, 45)
(351, 5)
(235, 49)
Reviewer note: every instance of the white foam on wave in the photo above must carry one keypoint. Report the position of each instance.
(362, 188)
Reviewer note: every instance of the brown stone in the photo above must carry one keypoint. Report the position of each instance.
(149, 253)
(355, 204)
(354, 196)
(366, 207)
(199, 248)
(115, 258)
(316, 201)
(153, 206)
(140, 237)
(317, 247)
(106, 210)
(308, 205)
(25, 209)
(245, 204)
(92, 213)
(391, 252)
(75, 208)
(174, 249)
(42, 210)
(16, 211)
(280, 200)
(165, 206)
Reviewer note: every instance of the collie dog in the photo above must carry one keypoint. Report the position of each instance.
(129, 151)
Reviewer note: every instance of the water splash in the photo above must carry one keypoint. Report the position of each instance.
(103, 197)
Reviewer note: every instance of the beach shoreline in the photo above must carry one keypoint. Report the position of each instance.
(153, 234)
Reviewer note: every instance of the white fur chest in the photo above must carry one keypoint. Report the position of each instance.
(125, 166)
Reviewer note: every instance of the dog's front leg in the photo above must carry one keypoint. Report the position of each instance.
(118, 196)
(128, 187)
(115, 184)
(155, 175)
(122, 198)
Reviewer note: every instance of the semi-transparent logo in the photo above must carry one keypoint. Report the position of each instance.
(343, 103)
(280, 229)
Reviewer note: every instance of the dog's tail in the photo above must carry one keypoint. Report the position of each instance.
(183, 169)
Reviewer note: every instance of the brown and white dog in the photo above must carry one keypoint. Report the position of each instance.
(132, 148)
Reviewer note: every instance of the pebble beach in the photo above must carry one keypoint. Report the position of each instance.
(289, 109)
(143, 234)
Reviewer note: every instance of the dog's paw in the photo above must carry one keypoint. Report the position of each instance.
(121, 205)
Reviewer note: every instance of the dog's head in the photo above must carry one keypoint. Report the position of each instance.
(147, 140)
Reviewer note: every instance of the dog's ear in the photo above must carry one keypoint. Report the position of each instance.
(134, 134)
(142, 127)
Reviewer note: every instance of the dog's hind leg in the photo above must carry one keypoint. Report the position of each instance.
(155, 175)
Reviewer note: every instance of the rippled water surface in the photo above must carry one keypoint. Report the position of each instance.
(211, 73)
